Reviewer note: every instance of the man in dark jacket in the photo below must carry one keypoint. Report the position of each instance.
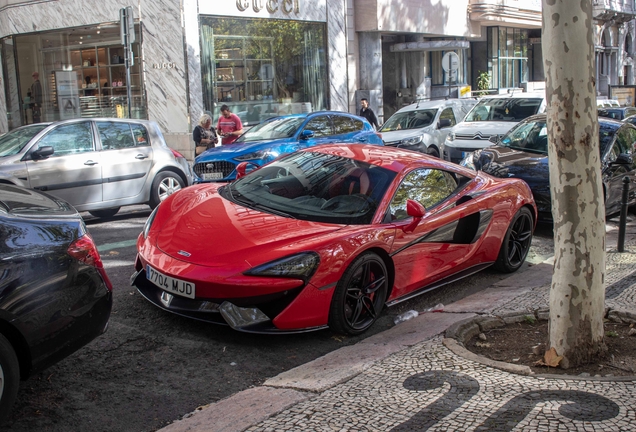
(368, 113)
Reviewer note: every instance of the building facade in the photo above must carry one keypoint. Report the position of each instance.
(65, 58)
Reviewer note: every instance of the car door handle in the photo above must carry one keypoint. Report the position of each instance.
(141, 156)
(90, 162)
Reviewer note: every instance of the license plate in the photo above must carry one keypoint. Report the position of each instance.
(212, 176)
(172, 285)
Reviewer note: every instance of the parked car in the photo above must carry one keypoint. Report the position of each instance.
(97, 165)
(610, 103)
(617, 113)
(55, 296)
(281, 135)
(326, 236)
(523, 153)
(491, 117)
(423, 126)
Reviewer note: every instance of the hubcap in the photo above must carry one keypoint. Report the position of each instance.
(363, 301)
(520, 239)
(167, 187)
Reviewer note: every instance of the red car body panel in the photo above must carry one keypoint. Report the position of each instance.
(210, 241)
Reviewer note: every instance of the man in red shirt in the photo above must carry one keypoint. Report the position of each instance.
(229, 126)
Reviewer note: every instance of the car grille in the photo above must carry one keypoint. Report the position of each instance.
(464, 149)
(211, 167)
(477, 137)
(392, 143)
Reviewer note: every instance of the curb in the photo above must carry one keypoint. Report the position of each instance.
(458, 334)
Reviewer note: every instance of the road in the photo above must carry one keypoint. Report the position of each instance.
(152, 367)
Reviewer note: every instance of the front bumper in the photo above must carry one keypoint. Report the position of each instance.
(255, 315)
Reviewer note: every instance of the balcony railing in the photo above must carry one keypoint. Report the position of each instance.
(620, 10)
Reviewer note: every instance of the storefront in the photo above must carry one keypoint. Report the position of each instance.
(69, 73)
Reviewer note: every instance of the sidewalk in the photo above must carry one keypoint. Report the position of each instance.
(407, 379)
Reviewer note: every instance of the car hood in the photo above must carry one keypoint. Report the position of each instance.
(229, 151)
(24, 202)
(399, 135)
(485, 127)
(503, 161)
(216, 232)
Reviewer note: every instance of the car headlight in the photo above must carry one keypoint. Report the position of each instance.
(468, 161)
(149, 222)
(300, 266)
(450, 136)
(412, 141)
(258, 155)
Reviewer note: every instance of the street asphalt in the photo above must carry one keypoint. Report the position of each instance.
(412, 378)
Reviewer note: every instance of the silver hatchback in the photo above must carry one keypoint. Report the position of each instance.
(97, 165)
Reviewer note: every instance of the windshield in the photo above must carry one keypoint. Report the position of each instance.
(275, 128)
(504, 109)
(409, 120)
(533, 136)
(13, 142)
(315, 187)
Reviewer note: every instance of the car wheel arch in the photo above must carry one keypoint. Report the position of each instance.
(175, 170)
(388, 262)
(20, 346)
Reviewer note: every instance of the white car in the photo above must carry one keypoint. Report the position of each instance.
(490, 119)
(423, 126)
(97, 165)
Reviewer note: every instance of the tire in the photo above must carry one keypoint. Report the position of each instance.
(105, 213)
(9, 378)
(359, 295)
(165, 184)
(432, 151)
(516, 242)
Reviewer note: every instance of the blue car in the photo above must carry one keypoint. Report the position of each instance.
(281, 135)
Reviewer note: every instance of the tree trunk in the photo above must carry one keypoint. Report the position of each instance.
(577, 293)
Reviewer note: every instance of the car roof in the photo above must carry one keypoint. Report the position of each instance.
(429, 104)
(518, 95)
(391, 158)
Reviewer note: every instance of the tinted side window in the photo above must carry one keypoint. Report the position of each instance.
(448, 114)
(623, 141)
(69, 139)
(115, 135)
(140, 134)
(343, 124)
(427, 186)
(321, 126)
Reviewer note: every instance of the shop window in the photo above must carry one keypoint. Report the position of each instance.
(279, 65)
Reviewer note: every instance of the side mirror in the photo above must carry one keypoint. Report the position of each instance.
(42, 153)
(623, 159)
(443, 123)
(494, 139)
(416, 211)
(306, 134)
(245, 168)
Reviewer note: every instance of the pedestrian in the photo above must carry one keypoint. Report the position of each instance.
(204, 135)
(229, 126)
(36, 93)
(368, 113)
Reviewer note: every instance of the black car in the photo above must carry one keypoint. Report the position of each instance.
(55, 296)
(523, 153)
(617, 113)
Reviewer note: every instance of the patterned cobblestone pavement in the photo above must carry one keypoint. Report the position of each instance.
(427, 387)
(403, 380)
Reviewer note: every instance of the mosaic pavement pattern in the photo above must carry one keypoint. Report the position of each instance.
(428, 388)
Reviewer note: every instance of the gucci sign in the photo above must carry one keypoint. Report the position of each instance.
(272, 6)
(164, 65)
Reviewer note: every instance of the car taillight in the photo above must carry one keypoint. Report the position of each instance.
(84, 250)
(176, 153)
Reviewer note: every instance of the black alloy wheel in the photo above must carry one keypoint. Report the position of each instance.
(516, 242)
(359, 296)
(432, 151)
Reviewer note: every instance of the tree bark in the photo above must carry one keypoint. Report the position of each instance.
(577, 292)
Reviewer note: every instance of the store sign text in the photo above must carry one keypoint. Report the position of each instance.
(272, 6)
(165, 65)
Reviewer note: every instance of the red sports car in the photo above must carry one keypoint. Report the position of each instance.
(327, 236)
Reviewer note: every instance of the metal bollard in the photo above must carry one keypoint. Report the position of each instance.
(623, 222)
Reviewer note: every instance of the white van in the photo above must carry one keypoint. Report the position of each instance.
(423, 126)
(488, 121)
